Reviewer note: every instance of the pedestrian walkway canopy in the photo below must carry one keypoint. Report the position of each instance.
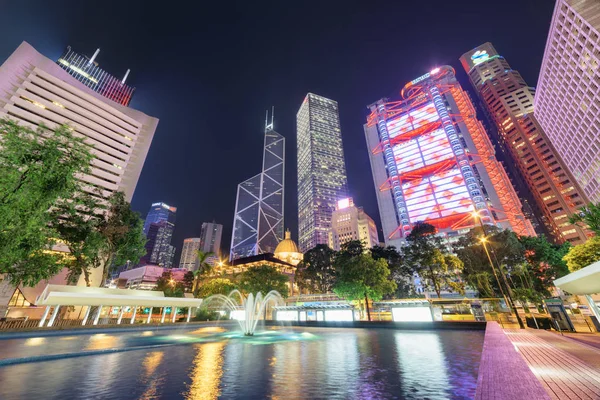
(63, 295)
(584, 282)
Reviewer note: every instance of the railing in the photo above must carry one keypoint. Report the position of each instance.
(18, 324)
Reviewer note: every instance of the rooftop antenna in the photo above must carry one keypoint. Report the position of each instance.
(125, 77)
(94, 56)
(269, 126)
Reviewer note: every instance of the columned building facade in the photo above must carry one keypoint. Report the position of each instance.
(322, 177)
(510, 103)
(567, 101)
(432, 161)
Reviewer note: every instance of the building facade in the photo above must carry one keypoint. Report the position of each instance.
(210, 238)
(158, 228)
(567, 101)
(34, 90)
(348, 223)
(189, 254)
(87, 71)
(432, 161)
(322, 177)
(258, 219)
(509, 102)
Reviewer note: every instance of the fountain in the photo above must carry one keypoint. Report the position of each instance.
(253, 306)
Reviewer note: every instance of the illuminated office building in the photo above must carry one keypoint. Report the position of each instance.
(210, 237)
(34, 90)
(87, 71)
(321, 169)
(509, 102)
(349, 223)
(567, 101)
(158, 228)
(258, 219)
(189, 254)
(432, 161)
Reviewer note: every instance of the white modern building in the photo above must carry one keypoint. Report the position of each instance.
(567, 100)
(322, 177)
(189, 254)
(349, 223)
(34, 90)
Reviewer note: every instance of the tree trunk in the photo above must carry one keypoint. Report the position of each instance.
(86, 276)
(367, 307)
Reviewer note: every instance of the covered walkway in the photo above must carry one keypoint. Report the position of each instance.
(584, 282)
(56, 296)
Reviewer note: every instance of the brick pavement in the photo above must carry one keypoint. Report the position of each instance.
(566, 369)
(503, 374)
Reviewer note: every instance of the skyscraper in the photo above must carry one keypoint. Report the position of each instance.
(321, 169)
(210, 238)
(432, 161)
(348, 223)
(86, 71)
(567, 101)
(258, 220)
(189, 254)
(34, 90)
(158, 228)
(509, 102)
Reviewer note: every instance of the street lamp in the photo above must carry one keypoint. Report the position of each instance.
(507, 296)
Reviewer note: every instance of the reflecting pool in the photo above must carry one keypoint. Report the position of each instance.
(209, 362)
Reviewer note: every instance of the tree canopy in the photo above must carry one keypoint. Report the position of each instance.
(263, 278)
(215, 286)
(588, 215)
(316, 272)
(169, 286)
(583, 254)
(37, 168)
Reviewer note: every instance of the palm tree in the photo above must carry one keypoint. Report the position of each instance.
(589, 215)
(203, 267)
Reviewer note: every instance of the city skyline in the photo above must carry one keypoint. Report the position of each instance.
(346, 69)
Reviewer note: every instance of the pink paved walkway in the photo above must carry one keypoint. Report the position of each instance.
(559, 363)
(503, 374)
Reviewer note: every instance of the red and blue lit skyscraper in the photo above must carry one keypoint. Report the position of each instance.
(432, 161)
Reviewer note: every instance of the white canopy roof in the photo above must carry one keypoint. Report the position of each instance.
(54, 295)
(584, 281)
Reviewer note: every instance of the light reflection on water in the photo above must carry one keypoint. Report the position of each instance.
(210, 363)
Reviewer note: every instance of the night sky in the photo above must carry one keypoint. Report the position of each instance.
(209, 70)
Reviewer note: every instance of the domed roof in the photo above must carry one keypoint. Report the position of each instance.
(287, 245)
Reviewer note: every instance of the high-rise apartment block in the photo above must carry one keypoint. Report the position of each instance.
(189, 254)
(432, 161)
(321, 169)
(567, 101)
(258, 220)
(210, 238)
(87, 71)
(158, 228)
(35, 90)
(509, 102)
(348, 223)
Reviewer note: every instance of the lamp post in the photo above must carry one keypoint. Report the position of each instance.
(508, 295)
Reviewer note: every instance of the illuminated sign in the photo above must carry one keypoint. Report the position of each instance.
(427, 75)
(163, 205)
(480, 56)
(343, 203)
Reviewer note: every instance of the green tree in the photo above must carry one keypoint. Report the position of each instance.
(76, 223)
(431, 259)
(204, 268)
(263, 278)
(361, 277)
(168, 285)
(588, 215)
(215, 286)
(401, 271)
(583, 254)
(544, 263)
(123, 233)
(34, 175)
(188, 281)
(316, 272)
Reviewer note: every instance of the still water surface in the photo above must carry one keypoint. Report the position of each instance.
(211, 362)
